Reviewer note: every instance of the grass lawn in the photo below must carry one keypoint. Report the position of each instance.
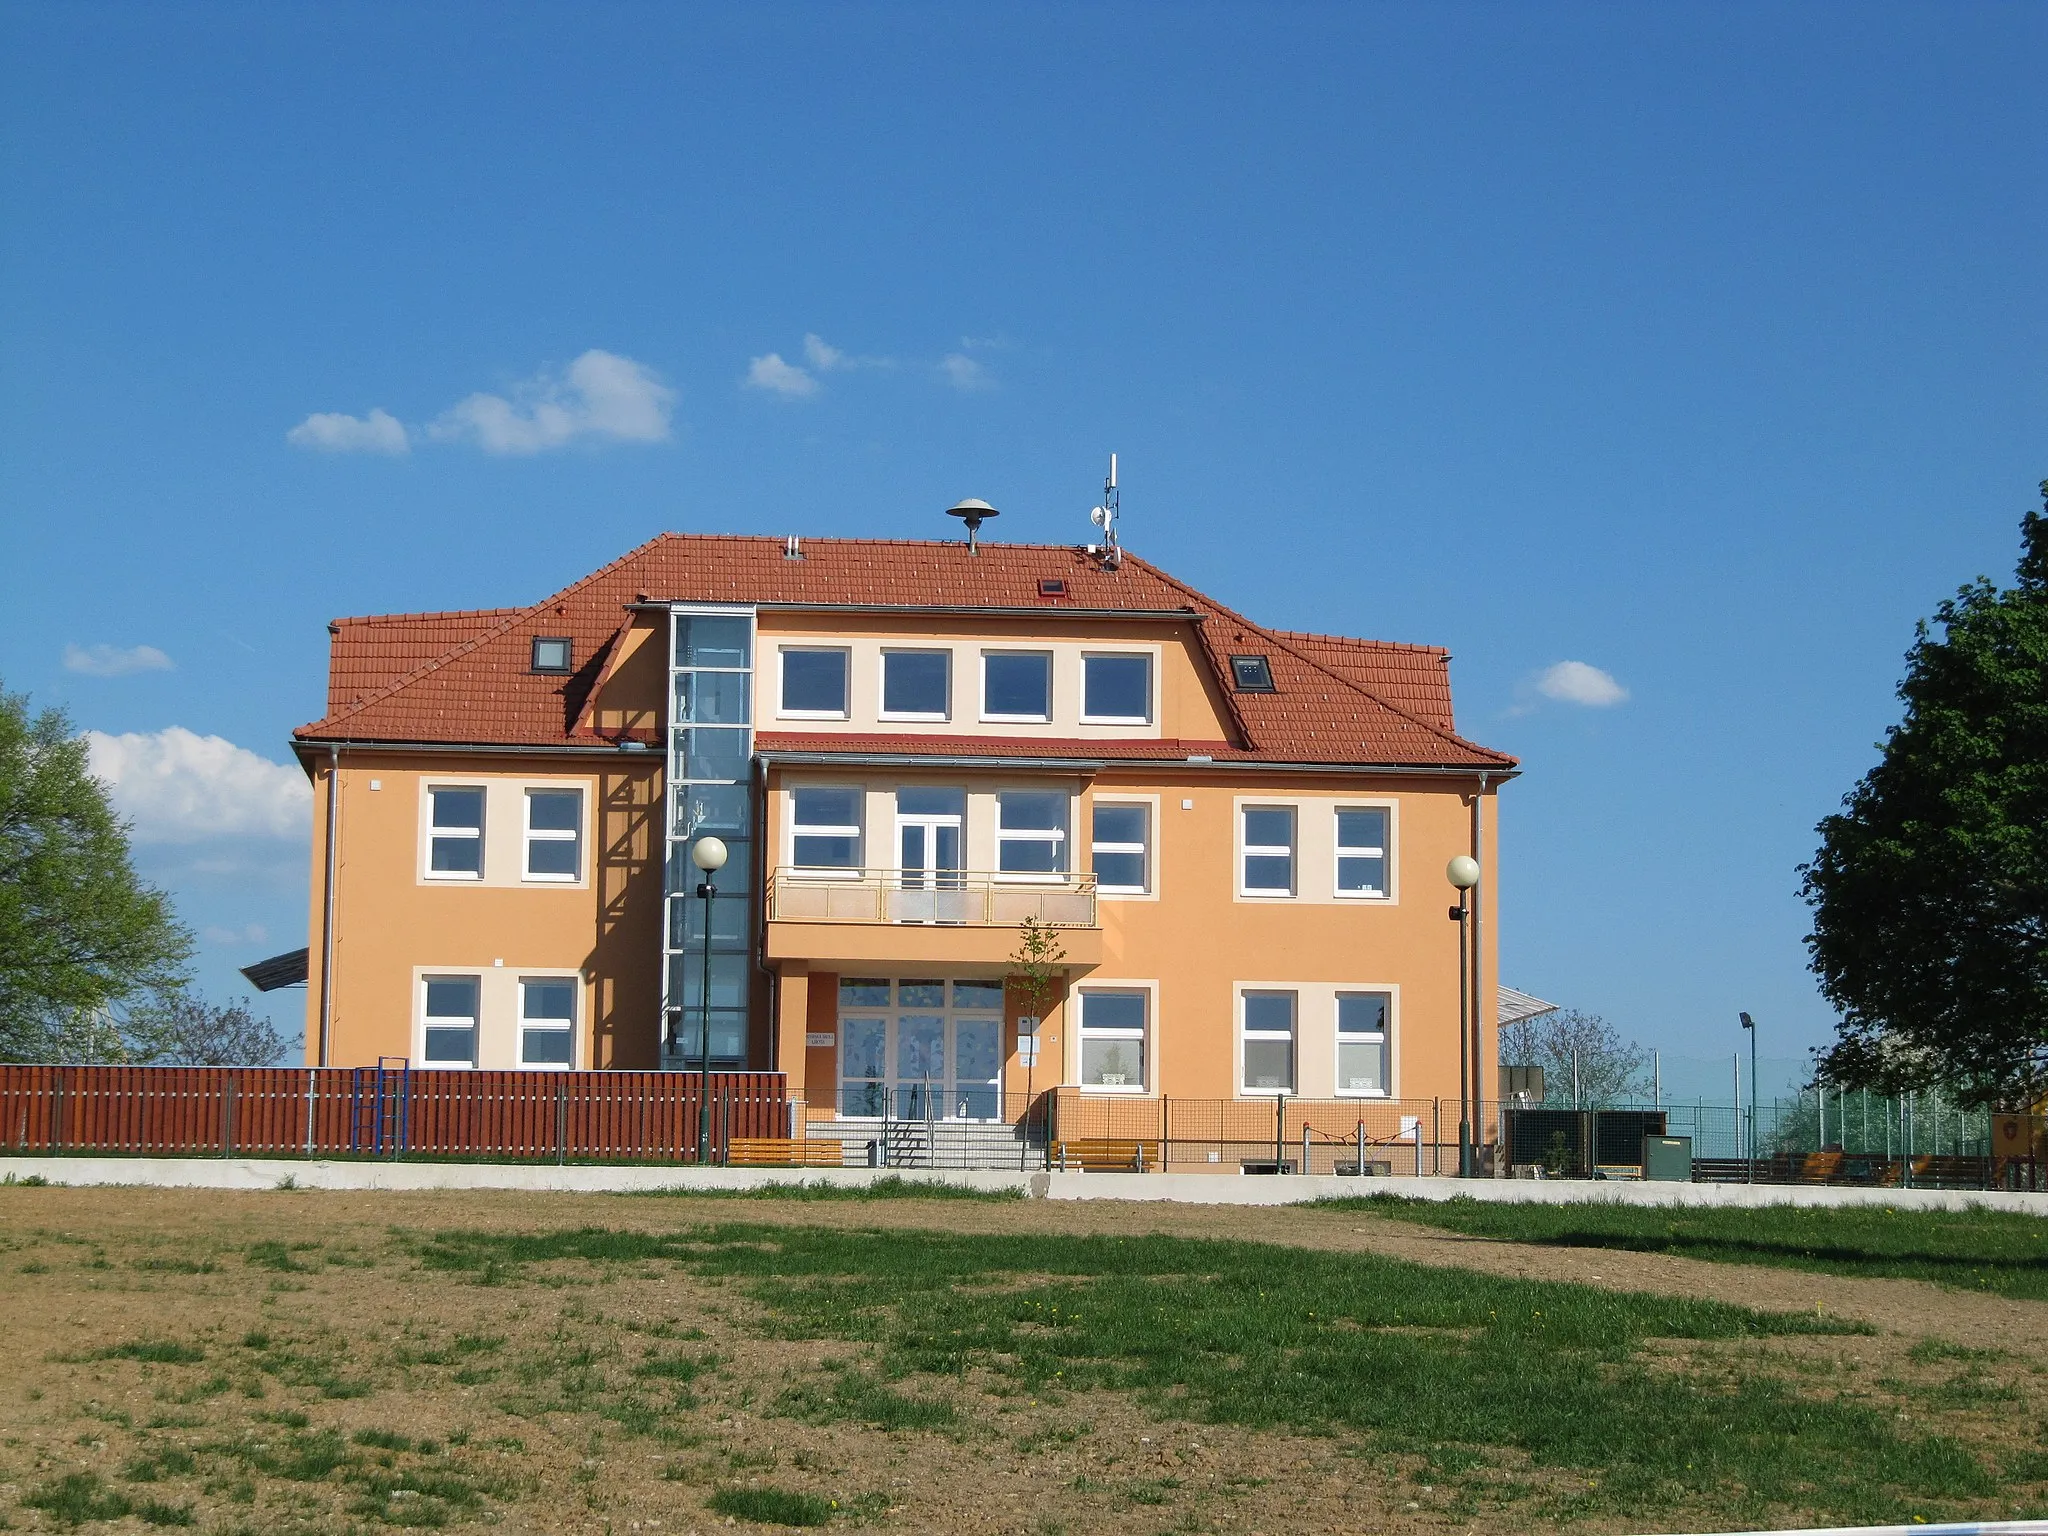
(295, 1362)
(1482, 1378)
(2002, 1252)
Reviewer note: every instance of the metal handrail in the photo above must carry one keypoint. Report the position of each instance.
(972, 898)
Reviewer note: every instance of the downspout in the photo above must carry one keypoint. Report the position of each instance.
(1478, 966)
(327, 906)
(760, 896)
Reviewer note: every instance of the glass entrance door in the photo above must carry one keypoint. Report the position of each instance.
(920, 1050)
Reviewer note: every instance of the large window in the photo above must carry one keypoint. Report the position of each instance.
(450, 1019)
(1365, 1043)
(1113, 1040)
(1362, 852)
(1117, 689)
(826, 828)
(1016, 685)
(1269, 1042)
(1120, 851)
(455, 838)
(1031, 831)
(814, 682)
(547, 1021)
(554, 834)
(1268, 850)
(917, 685)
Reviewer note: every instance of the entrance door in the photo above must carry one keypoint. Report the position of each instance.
(920, 1049)
(928, 843)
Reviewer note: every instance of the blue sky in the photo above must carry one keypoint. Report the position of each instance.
(1697, 344)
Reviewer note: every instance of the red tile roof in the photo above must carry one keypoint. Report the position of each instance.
(1416, 678)
(466, 677)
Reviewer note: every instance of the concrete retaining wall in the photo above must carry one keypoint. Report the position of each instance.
(1187, 1188)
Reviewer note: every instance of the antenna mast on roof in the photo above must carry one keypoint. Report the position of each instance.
(1110, 552)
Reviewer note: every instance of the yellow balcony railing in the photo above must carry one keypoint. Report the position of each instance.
(958, 898)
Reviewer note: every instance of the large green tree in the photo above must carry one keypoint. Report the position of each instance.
(1930, 889)
(80, 935)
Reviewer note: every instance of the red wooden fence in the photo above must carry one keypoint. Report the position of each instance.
(368, 1111)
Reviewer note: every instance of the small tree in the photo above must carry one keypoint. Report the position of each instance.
(1037, 974)
(1930, 888)
(80, 935)
(1610, 1068)
(1038, 966)
(184, 1030)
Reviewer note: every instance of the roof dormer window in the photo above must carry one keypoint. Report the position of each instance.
(1252, 674)
(552, 653)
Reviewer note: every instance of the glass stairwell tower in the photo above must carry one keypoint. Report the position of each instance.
(710, 794)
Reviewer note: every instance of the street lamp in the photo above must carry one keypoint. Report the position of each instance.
(708, 854)
(1463, 873)
(1750, 1024)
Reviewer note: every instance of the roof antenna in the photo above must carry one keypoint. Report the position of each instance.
(972, 512)
(1104, 517)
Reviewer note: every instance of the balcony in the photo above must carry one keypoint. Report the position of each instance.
(875, 916)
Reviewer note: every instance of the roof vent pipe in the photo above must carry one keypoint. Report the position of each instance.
(793, 547)
(973, 511)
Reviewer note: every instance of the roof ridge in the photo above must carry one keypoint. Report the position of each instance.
(985, 545)
(431, 613)
(1386, 645)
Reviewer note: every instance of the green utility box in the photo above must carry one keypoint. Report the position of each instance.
(1668, 1158)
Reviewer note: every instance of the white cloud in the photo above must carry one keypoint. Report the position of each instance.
(777, 377)
(822, 355)
(963, 372)
(114, 660)
(1575, 682)
(602, 395)
(337, 432)
(179, 787)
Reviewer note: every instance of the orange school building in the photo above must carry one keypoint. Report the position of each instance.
(1236, 835)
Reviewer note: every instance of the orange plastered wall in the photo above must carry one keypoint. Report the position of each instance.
(392, 925)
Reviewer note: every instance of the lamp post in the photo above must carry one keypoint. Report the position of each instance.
(1463, 873)
(1750, 1024)
(708, 854)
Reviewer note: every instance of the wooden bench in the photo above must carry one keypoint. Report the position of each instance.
(783, 1152)
(1099, 1154)
(1820, 1167)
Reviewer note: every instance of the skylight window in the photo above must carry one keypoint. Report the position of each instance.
(551, 653)
(1252, 674)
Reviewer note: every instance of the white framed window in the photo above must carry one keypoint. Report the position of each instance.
(448, 1008)
(1267, 1044)
(917, 685)
(1031, 831)
(1016, 685)
(1114, 1024)
(825, 827)
(1362, 851)
(554, 834)
(1267, 865)
(1120, 847)
(455, 832)
(814, 682)
(547, 1021)
(1365, 1044)
(1117, 689)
